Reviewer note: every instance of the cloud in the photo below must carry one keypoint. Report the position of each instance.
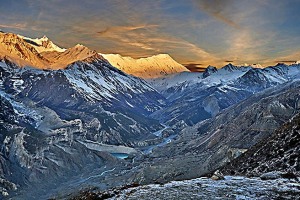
(148, 40)
(16, 26)
(218, 9)
(290, 57)
(195, 67)
(134, 35)
(286, 61)
(249, 46)
(214, 32)
(120, 29)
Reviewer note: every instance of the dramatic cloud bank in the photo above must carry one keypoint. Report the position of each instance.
(192, 31)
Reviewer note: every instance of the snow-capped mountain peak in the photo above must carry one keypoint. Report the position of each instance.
(73, 54)
(16, 49)
(230, 67)
(255, 65)
(80, 46)
(41, 53)
(43, 44)
(150, 67)
(44, 38)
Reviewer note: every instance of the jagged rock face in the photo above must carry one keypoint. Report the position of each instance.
(230, 67)
(30, 159)
(209, 71)
(9, 125)
(279, 152)
(6, 112)
(204, 147)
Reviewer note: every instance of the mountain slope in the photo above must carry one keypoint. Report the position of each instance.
(279, 152)
(151, 67)
(93, 88)
(71, 55)
(20, 52)
(29, 157)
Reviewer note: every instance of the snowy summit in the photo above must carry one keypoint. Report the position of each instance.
(151, 67)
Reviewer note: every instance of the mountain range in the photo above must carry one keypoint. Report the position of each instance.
(42, 53)
(70, 119)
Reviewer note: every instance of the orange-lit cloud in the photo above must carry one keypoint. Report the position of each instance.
(147, 40)
(120, 29)
(195, 67)
(17, 26)
(209, 32)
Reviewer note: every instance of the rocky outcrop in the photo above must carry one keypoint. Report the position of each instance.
(217, 175)
(279, 152)
(202, 188)
(209, 71)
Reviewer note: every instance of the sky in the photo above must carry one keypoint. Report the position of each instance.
(196, 33)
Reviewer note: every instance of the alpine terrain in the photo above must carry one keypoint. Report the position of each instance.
(79, 124)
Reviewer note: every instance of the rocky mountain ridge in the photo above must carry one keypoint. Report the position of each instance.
(194, 97)
(25, 52)
(42, 53)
